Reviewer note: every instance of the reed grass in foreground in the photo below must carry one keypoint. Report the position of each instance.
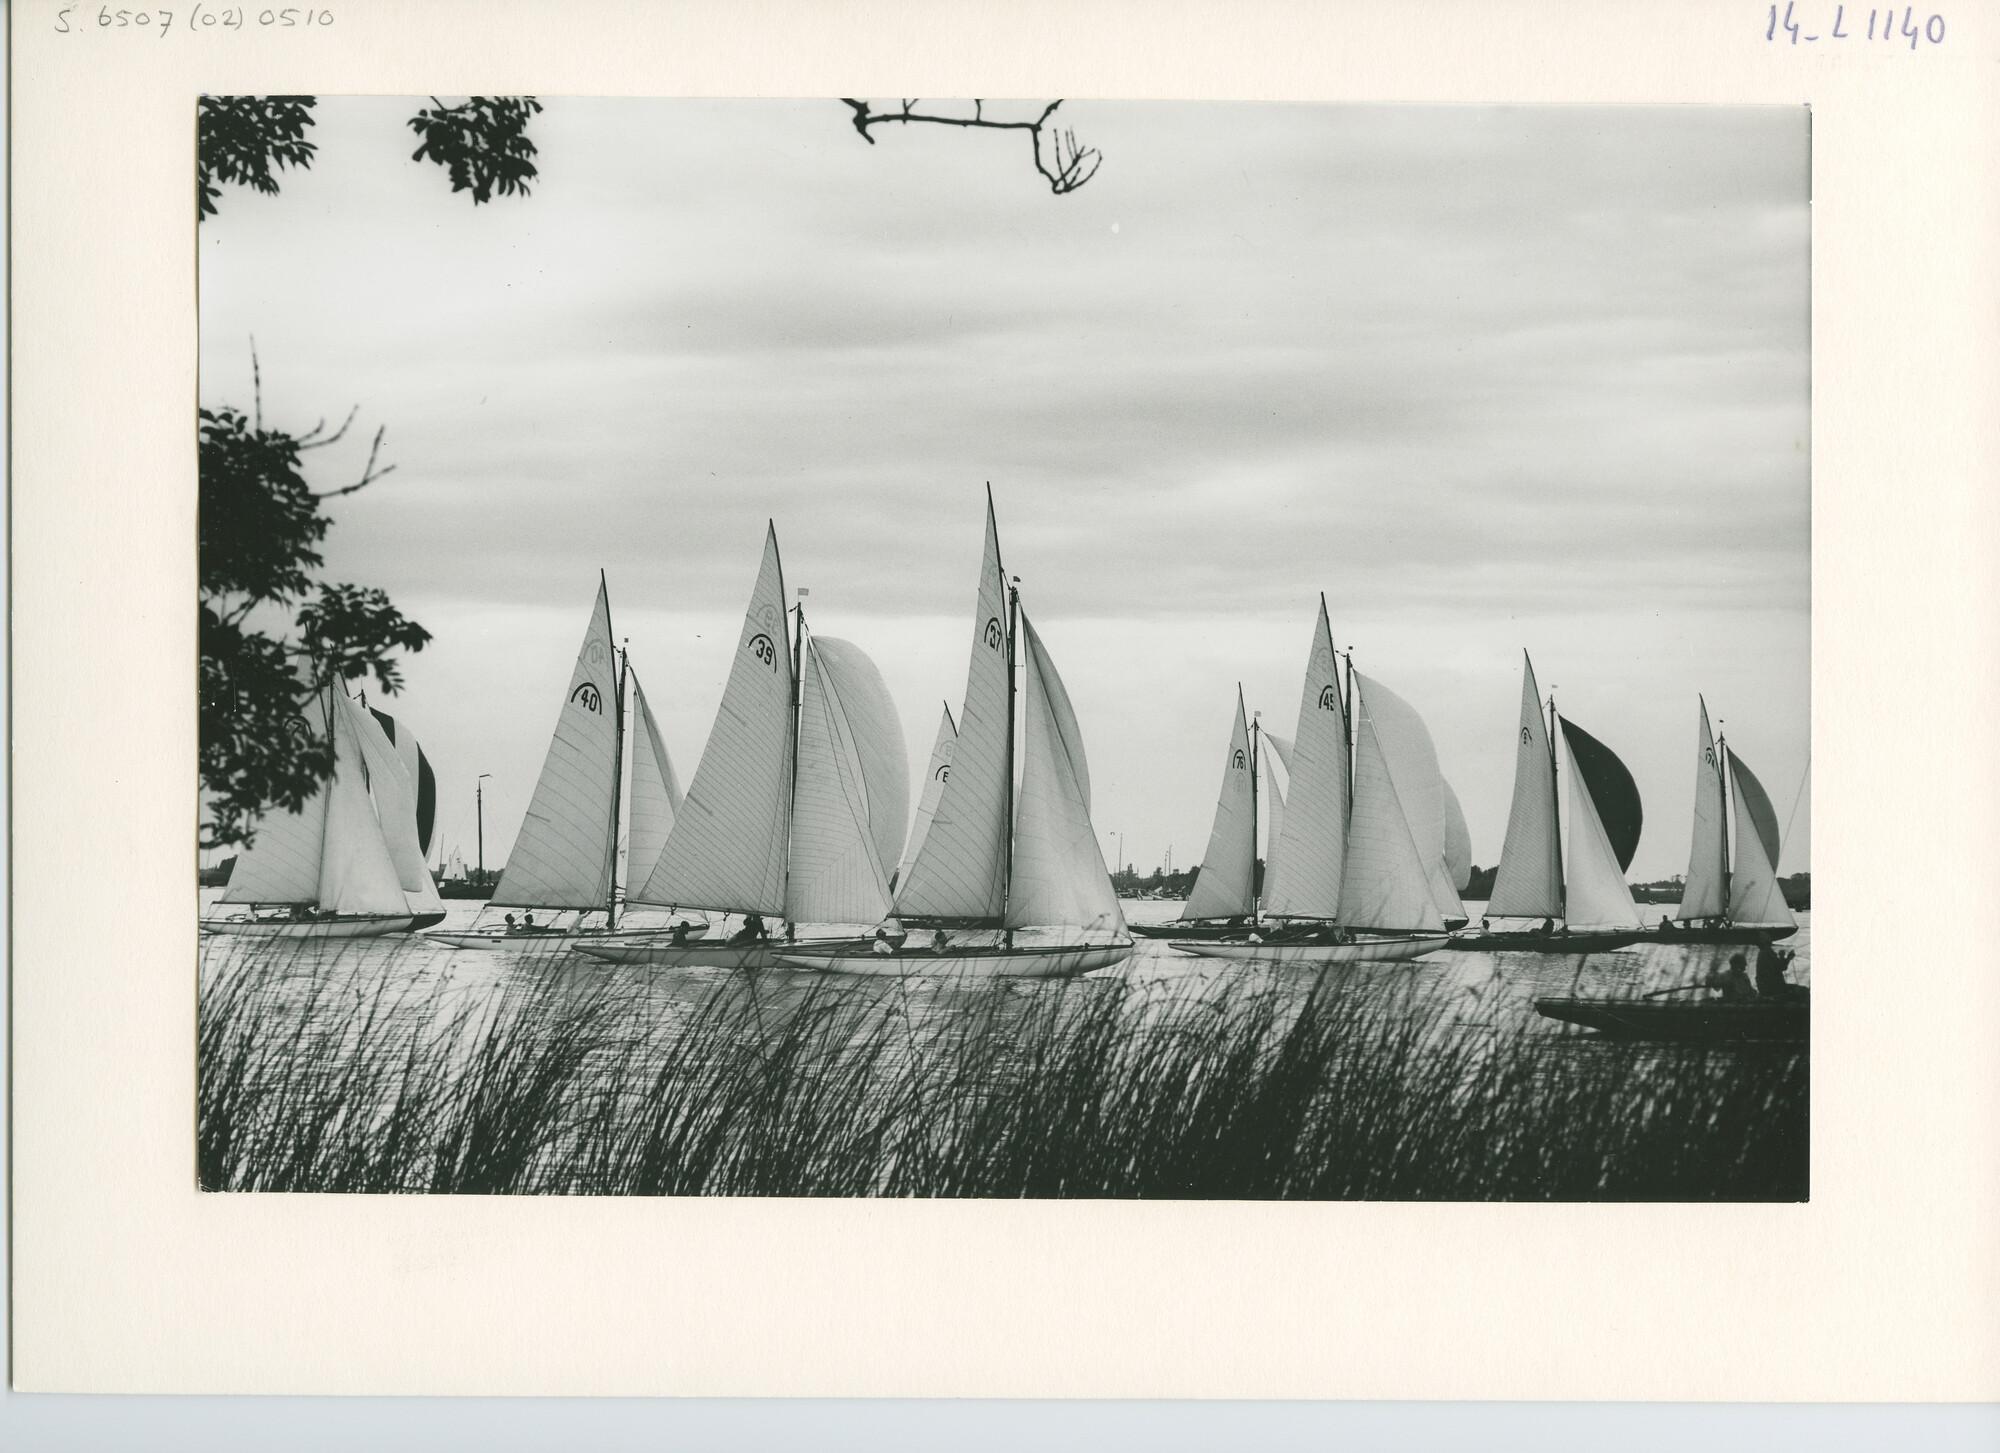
(1337, 1088)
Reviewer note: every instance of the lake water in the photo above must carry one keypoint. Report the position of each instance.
(1468, 992)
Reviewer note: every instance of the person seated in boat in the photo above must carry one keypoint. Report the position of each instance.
(301, 913)
(940, 941)
(1771, 980)
(1548, 925)
(1485, 924)
(679, 937)
(1665, 927)
(510, 923)
(881, 944)
(752, 929)
(1732, 983)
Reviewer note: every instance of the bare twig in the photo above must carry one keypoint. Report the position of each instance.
(368, 475)
(1066, 167)
(311, 440)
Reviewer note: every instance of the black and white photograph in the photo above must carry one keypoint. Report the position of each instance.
(1048, 648)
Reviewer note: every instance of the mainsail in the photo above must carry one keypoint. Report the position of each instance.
(396, 803)
(1755, 900)
(1225, 887)
(1387, 883)
(1274, 814)
(1706, 894)
(1529, 881)
(1413, 766)
(727, 850)
(1604, 820)
(566, 851)
(960, 872)
(1312, 846)
(281, 865)
(1457, 842)
(878, 741)
(935, 776)
(834, 874)
(1059, 875)
(655, 794)
(356, 873)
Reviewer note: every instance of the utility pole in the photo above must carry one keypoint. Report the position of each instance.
(479, 802)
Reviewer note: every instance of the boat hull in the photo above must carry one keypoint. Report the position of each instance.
(1550, 943)
(679, 956)
(1057, 962)
(1319, 955)
(1720, 935)
(1190, 930)
(370, 927)
(1782, 1021)
(476, 938)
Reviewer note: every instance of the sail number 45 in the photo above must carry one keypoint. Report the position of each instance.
(1799, 23)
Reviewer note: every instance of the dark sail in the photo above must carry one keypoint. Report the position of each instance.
(1612, 790)
(1750, 792)
(426, 779)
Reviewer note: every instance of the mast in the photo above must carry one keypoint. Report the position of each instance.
(1347, 722)
(1013, 617)
(1256, 739)
(1722, 766)
(1555, 814)
(798, 712)
(617, 783)
(479, 809)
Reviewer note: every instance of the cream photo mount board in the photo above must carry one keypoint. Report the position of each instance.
(1886, 1285)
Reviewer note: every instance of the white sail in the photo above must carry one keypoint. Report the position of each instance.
(421, 777)
(1413, 766)
(282, 864)
(1706, 894)
(1529, 881)
(564, 855)
(1755, 899)
(878, 741)
(1224, 888)
(961, 870)
(1059, 874)
(1274, 816)
(1457, 842)
(1598, 896)
(934, 779)
(356, 873)
(1386, 883)
(834, 874)
(728, 845)
(394, 789)
(454, 869)
(1313, 844)
(655, 794)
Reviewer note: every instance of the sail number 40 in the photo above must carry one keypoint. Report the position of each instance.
(1792, 25)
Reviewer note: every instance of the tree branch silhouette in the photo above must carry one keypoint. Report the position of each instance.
(1063, 164)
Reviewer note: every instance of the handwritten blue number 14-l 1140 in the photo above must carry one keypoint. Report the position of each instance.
(1931, 30)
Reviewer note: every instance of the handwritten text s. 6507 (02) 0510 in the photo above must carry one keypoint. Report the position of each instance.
(86, 19)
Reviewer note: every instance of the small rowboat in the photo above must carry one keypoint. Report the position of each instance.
(989, 961)
(1367, 949)
(1714, 1021)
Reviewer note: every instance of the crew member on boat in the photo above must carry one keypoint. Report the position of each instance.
(1771, 980)
(752, 929)
(881, 944)
(1732, 983)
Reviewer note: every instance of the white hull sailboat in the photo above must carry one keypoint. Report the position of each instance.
(993, 862)
(1721, 904)
(800, 799)
(1577, 904)
(1358, 873)
(348, 864)
(565, 857)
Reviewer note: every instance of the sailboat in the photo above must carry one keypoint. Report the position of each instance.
(1223, 901)
(1719, 905)
(1360, 873)
(342, 865)
(800, 798)
(993, 860)
(565, 857)
(1585, 904)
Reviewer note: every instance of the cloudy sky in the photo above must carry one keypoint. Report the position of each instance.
(1491, 378)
